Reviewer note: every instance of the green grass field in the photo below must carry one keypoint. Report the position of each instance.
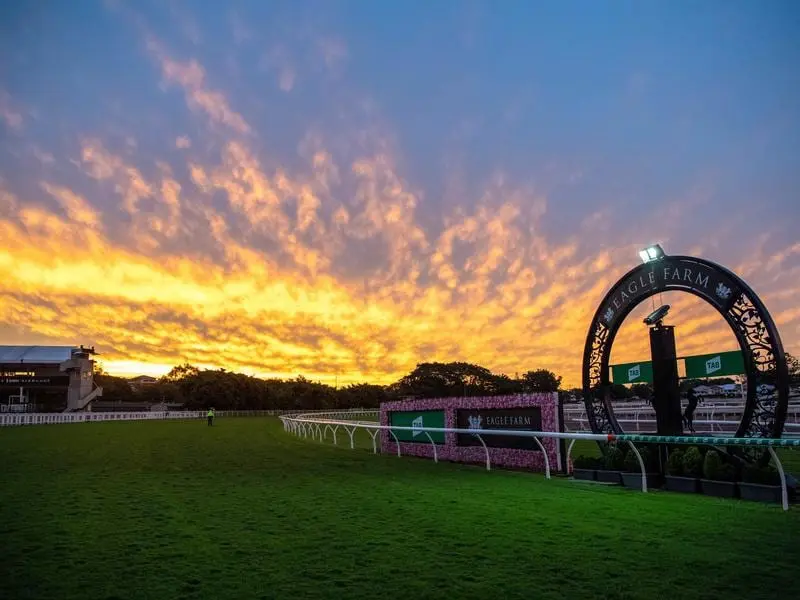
(162, 510)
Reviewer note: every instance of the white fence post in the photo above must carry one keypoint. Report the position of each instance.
(784, 491)
(350, 432)
(374, 443)
(569, 453)
(396, 441)
(641, 466)
(435, 454)
(546, 460)
(486, 450)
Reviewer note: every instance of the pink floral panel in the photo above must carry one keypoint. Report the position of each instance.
(505, 457)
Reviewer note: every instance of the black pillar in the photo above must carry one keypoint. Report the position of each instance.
(667, 395)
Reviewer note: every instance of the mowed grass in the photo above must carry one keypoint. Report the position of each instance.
(163, 510)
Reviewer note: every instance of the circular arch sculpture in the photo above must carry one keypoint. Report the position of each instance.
(742, 309)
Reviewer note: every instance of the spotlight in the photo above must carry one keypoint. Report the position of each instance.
(651, 253)
(655, 317)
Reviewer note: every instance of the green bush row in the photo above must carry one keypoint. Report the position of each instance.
(691, 462)
(617, 459)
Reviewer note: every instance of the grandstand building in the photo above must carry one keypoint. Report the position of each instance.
(47, 378)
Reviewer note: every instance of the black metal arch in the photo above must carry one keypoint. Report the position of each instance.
(765, 362)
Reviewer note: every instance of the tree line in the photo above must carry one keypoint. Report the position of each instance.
(196, 389)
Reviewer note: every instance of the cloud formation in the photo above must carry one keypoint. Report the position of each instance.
(224, 241)
(11, 117)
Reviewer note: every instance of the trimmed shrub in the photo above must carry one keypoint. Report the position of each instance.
(716, 470)
(614, 459)
(585, 462)
(727, 472)
(754, 473)
(693, 462)
(675, 463)
(632, 463)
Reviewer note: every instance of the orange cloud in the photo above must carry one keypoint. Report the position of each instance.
(192, 78)
(337, 267)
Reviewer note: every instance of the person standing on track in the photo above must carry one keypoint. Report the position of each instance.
(210, 416)
(688, 415)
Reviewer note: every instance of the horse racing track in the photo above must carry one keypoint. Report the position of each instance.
(244, 510)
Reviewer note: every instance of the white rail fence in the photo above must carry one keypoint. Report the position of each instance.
(19, 419)
(638, 419)
(318, 425)
(716, 412)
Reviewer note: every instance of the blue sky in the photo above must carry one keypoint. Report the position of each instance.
(600, 126)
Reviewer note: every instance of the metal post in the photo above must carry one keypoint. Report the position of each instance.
(488, 462)
(569, 452)
(546, 460)
(396, 441)
(784, 491)
(435, 455)
(641, 465)
(374, 443)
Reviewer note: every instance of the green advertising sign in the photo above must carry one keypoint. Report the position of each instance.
(639, 372)
(715, 365)
(420, 418)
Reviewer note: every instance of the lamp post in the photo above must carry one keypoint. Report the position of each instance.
(666, 390)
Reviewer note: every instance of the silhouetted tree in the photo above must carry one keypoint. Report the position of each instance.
(541, 380)
(181, 372)
(200, 388)
(437, 380)
(619, 391)
(793, 364)
(115, 389)
(642, 390)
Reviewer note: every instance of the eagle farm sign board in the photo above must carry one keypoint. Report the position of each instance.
(528, 418)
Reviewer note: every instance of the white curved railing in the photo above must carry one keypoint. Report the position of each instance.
(645, 425)
(710, 412)
(633, 419)
(12, 419)
(19, 419)
(317, 425)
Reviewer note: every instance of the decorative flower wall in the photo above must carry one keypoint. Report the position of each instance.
(505, 457)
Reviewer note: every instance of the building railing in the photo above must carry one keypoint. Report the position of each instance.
(318, 425)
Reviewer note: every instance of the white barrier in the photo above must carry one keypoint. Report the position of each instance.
(12, 420)
(303, 424)
(712, 411)
(19, 419)
(643, 425)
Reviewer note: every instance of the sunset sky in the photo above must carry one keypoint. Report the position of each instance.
(345, 189)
